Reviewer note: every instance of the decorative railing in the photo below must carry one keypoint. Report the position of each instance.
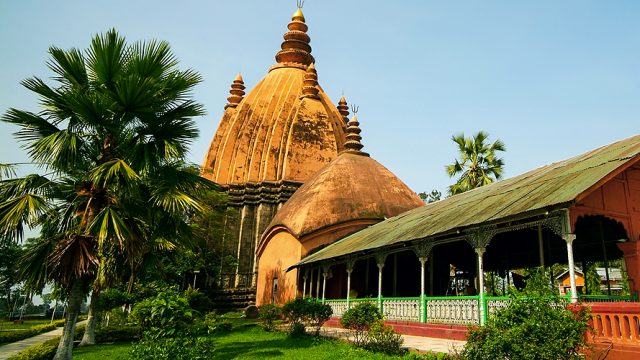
(465, 310)
(619, 323)
(406, 309)
(453, 310)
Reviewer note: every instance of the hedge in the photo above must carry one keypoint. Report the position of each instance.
(13, 336)
(46, 350)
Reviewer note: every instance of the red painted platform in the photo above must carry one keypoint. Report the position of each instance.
(440, 331)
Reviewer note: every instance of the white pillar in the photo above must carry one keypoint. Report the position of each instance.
(324, 284)
(480, 252)
(423, 260)
(311, 284)
(572, 267)
(318, 284)
(304, 284)
(380, 266)
(348, 286)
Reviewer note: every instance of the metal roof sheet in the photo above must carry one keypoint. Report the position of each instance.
(539, 189)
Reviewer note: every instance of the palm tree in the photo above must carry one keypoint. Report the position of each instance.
(111, 141)
(478, 163)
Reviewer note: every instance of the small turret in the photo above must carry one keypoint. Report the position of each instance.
(353, 144)
(237, 92)
(343, 108)
(310, 88)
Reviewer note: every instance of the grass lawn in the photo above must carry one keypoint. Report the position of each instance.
(9, 325)
(251, 342)
(118, 351)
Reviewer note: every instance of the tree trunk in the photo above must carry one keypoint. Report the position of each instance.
(89, 337)
(65, 346)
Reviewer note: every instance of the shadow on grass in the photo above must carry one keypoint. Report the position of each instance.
(259, 346)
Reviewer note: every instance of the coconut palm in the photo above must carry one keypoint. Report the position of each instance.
(478, 164)
(111, 141)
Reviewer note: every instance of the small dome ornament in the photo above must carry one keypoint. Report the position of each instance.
(343, 108)
(353, 144)
(310, 88)
(237, 92)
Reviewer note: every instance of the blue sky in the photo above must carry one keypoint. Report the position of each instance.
(552, 79)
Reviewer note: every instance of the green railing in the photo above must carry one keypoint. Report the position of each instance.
(465, 310)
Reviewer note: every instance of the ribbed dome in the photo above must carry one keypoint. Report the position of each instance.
(352, 187)
(285, 128)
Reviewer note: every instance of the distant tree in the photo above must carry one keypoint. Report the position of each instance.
(10, 253)
(433, 196)
(478, 164)
(592, 280)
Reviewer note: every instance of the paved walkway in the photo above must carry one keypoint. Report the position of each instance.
(13, 348)
(412, 343)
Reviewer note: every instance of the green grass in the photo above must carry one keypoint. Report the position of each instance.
(251, 342)
(119, 351)
(9, 325)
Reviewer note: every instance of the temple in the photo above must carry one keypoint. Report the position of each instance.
(269, 142)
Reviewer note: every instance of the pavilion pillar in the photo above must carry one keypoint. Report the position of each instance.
(304, 283)
(569, 238)
(481, 309)
(350, 265)
(318, 284)
(325, 273)
(422, 251)
(631, 255)
(310, 283)
(541, 245)
(380, 259)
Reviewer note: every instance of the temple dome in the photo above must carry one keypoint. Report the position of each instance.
(352, 187)
(284, 129)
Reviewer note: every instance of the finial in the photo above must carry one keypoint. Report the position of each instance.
(310, 88)
(343, 108)
(295, 47)
(237, 92)
(353, 144)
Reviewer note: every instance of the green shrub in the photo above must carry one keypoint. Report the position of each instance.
(317, 314)
(295, 311)
(180, 348)
(536, 327)
(215, 323)
(382, 338)
(269, 313)
(166, 315)
(198, 301)
(297, 329)
(359, 319)
(118, 333)
(113, 298)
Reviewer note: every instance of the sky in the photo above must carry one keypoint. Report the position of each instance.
(552, 79)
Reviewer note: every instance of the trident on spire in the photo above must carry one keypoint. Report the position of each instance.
(354, 109)
(300, 3)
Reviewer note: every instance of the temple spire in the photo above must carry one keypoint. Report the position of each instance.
(237, 92)
(343, 108)
(353, 144)
(295, 47)
(310, 89)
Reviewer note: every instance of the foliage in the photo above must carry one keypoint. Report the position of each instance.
(297, 329)
(382, 338)
(114, 297)
(592, 280)
(359, 320)
(537, 283)
(198, 301)
(166, 315)
(118, 333)
(433, 196)
(317, 314)
(478, 164)
(179, 348)
(215, 323)
(10, 253)
(532, 327)
(269, 313)
(312, 311)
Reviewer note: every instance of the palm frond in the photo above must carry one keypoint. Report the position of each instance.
(114, 172)
(23, 210)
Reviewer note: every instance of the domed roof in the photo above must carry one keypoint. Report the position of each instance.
(286, 128)
(352, 187)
